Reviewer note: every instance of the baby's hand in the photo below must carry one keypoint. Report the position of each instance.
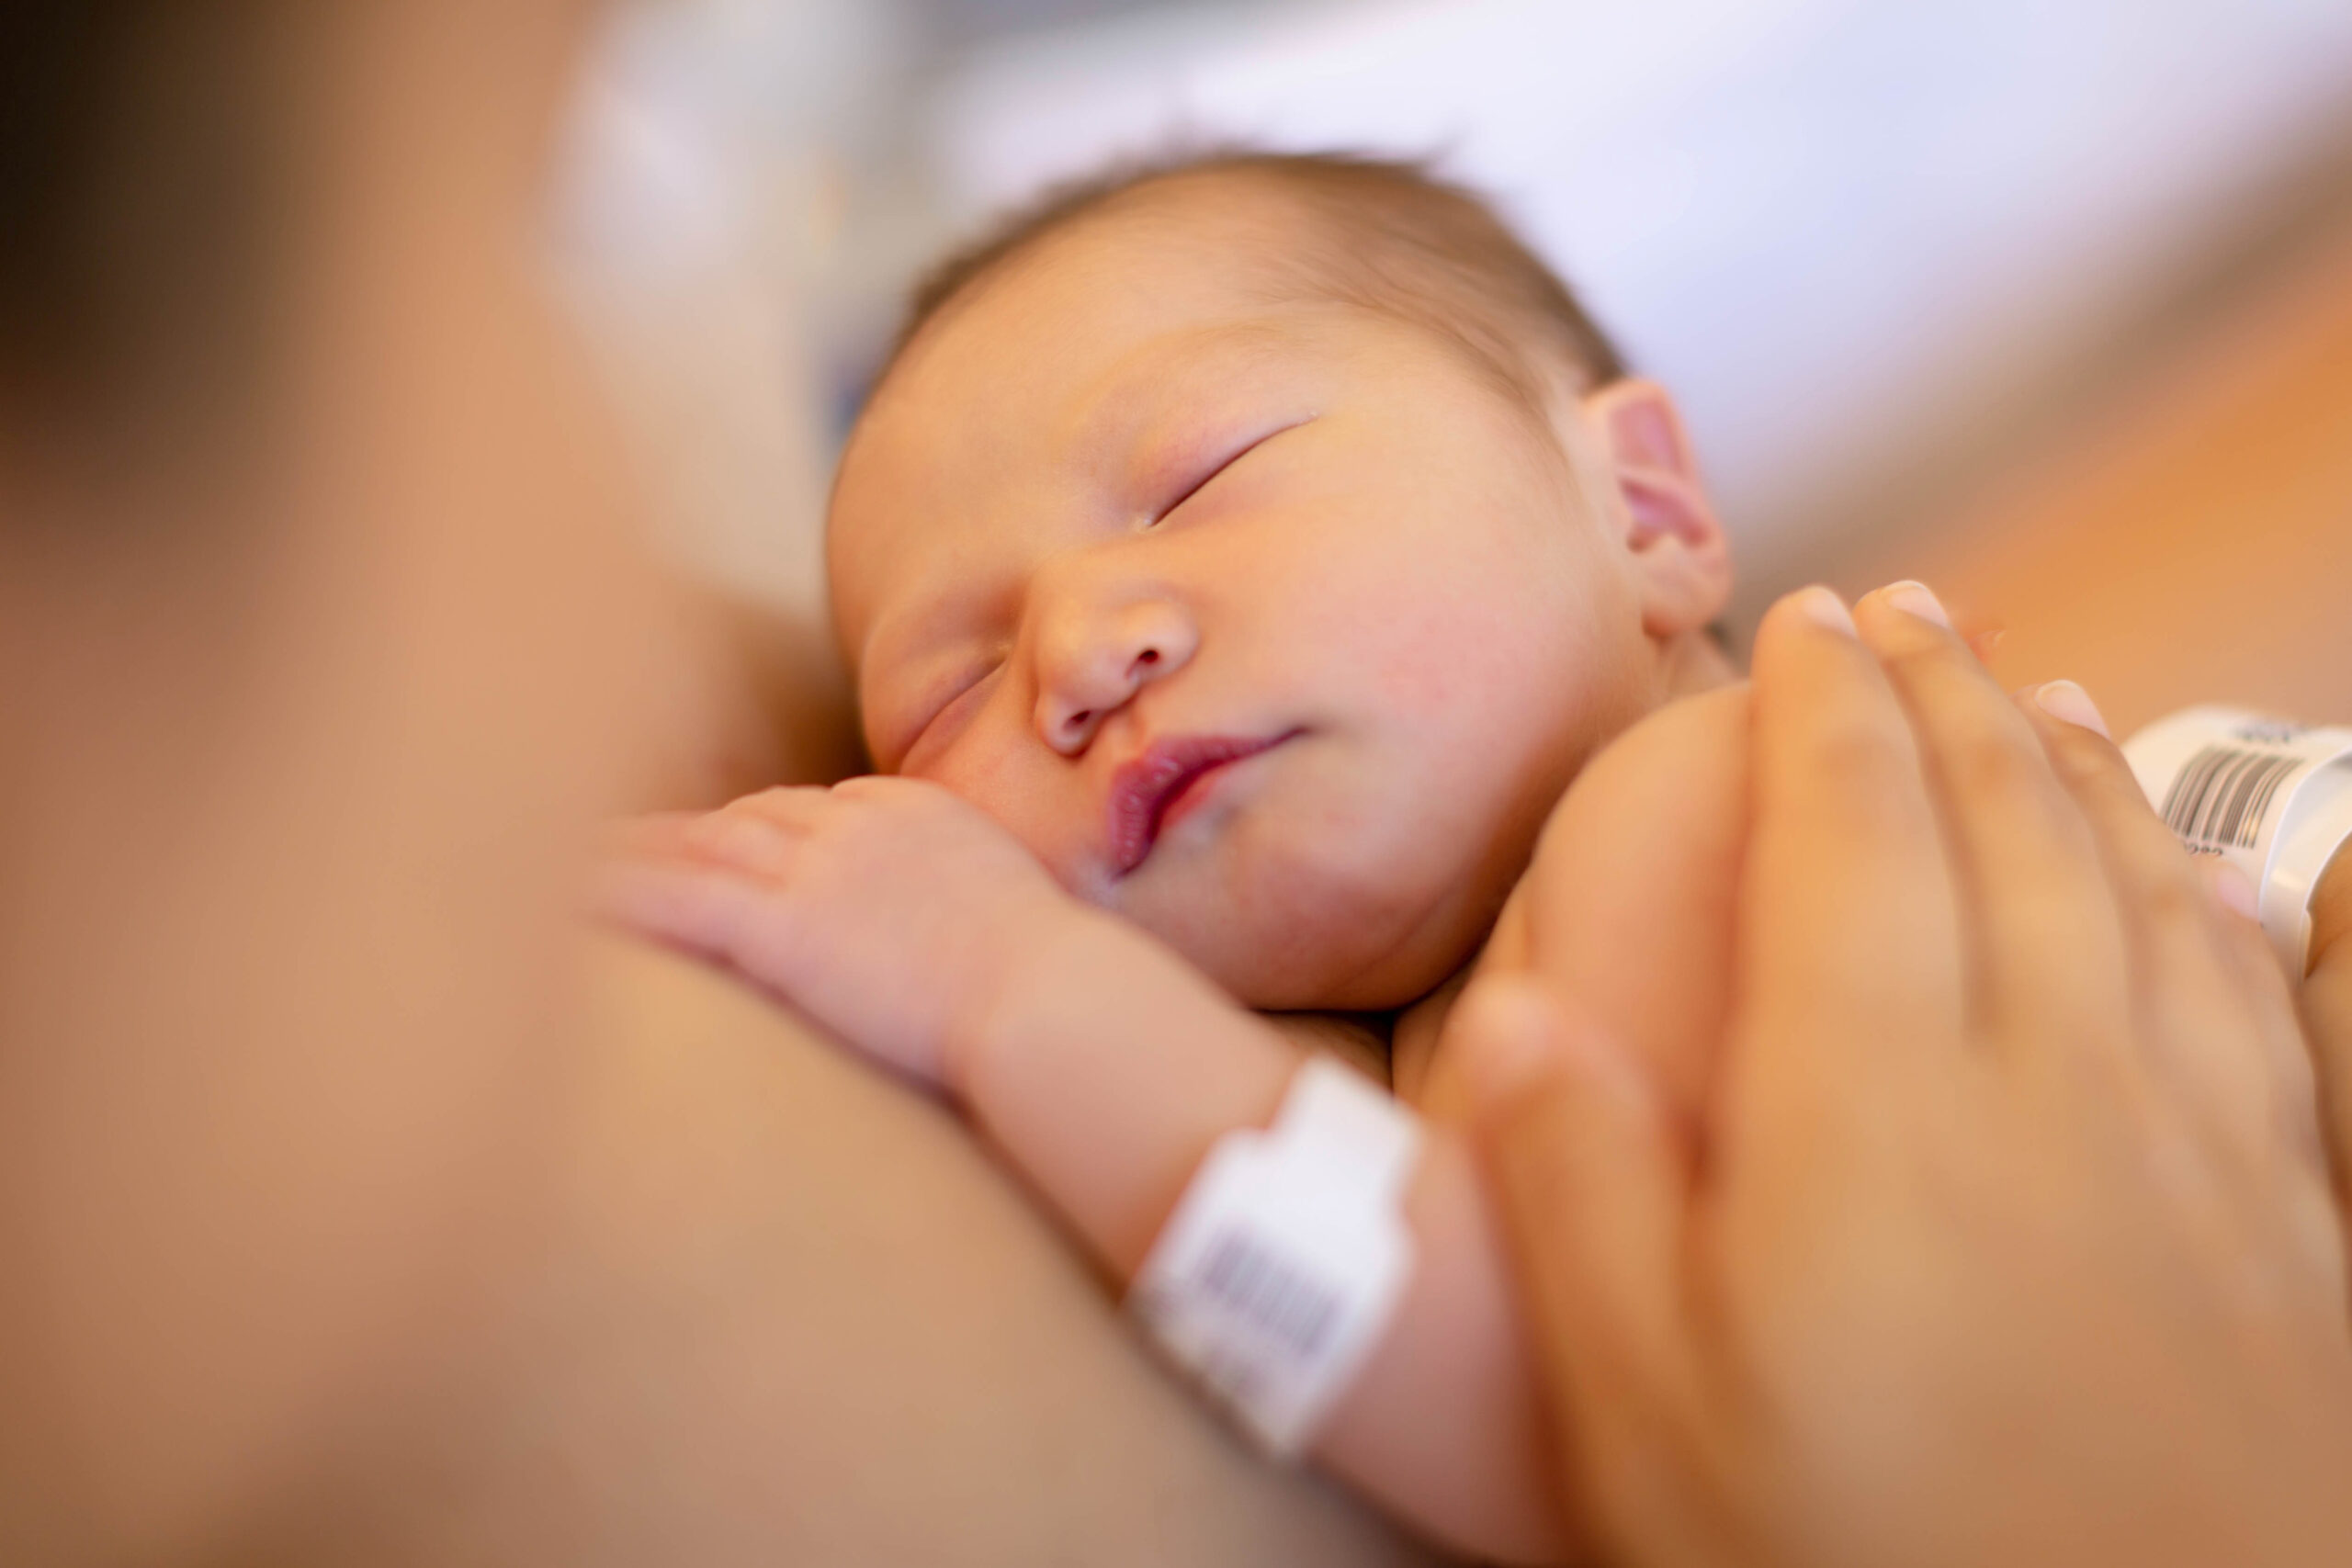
(887, 909)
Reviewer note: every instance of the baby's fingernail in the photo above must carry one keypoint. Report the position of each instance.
(743, 841)
(2066, 701)
(1824, 608)
(2235, 890)
(1508, 1042)
(1918, 599)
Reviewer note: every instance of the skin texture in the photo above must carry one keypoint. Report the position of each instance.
(1119, 494)
(2046, 1274)
(353, 1206)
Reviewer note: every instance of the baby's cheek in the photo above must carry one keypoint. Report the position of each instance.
(1029, 802)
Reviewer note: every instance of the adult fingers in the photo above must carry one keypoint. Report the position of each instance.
(2045, 944)
(2285, 1128)
(2196, 1005)
(2328, 1016)
(1593, 1188)
(1850, 944)
(2270, 998)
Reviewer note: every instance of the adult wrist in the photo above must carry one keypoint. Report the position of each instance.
(2270, 796)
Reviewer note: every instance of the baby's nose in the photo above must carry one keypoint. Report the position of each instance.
(1094, 672)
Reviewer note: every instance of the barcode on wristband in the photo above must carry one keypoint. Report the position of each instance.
(1260, 1286)
(2219, 800)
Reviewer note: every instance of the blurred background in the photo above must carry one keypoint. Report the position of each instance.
(2049, 302)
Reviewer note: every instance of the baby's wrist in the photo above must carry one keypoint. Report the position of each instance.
(1028, 956)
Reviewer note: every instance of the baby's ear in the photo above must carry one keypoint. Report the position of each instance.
(1681, 556)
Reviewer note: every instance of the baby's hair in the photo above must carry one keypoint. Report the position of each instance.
(1390, 236)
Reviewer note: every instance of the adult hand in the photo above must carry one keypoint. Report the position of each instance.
(2004, 1239)
(2327, 1014)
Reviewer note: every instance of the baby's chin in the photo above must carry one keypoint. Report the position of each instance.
(1299, 943)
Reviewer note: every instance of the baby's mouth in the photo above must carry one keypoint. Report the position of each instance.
(1164, 784)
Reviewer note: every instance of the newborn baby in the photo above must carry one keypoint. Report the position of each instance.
(1263, 546)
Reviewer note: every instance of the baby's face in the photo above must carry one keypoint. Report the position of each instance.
(1275, 627)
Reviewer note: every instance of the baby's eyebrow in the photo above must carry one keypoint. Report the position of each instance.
(1171, 373)
(1144, 420)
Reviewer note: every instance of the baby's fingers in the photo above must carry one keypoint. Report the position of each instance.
(711, 884)
(756, 837)
(699, 909)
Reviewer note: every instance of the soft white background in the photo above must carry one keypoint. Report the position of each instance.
(1842, 230)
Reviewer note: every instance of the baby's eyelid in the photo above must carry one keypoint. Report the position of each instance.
(957, 697)
(1211, 477)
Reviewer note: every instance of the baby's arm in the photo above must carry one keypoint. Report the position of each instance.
(1105, 1067)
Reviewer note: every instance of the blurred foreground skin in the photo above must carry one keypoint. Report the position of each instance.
(346, 1215)
(2048, 1275)
(306, 697)
(2327, 1014)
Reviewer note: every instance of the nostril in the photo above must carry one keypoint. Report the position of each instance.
(1077, 722)
(1147, 658)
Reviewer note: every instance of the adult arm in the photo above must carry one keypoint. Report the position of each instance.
(788, 1312)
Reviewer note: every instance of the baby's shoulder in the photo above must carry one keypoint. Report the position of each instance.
(1648, 838)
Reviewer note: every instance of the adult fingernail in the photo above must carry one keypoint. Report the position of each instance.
(1824, 608)
(2066, 701)
(1508, 1039)
(2235, 890)
(1918, 599)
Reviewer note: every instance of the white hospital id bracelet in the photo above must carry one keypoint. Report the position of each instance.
(2272, 797)
(1279, 1269)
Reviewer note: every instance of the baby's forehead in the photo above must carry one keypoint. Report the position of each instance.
(1194, 246)
(1097, 325)
(995, 420)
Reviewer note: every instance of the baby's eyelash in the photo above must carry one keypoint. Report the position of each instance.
(1215, 472)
